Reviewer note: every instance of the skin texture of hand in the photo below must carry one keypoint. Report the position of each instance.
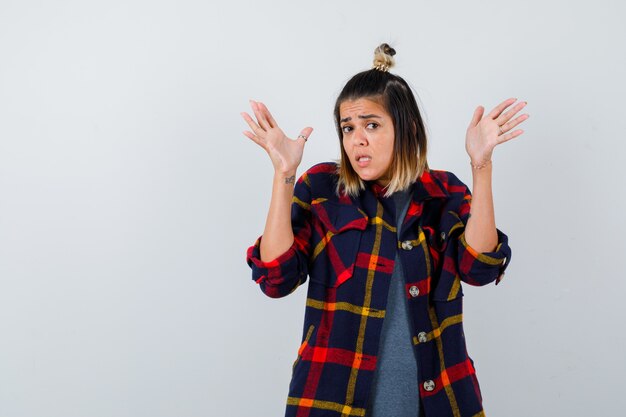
(483, 134)
(285, 153)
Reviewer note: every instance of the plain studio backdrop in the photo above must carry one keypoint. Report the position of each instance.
(129, 195)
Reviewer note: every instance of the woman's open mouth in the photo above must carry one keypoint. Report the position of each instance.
(363, 160)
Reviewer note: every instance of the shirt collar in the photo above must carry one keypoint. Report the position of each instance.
(426, 187)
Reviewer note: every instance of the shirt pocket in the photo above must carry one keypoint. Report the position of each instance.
(446, 232)
(340, 228)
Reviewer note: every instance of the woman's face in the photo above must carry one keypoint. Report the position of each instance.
(368, 137)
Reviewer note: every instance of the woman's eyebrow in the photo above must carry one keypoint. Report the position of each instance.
(362, 116)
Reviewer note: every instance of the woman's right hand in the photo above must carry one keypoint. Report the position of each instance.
(285, 153)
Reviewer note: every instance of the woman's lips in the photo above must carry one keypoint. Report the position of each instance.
(363, 161)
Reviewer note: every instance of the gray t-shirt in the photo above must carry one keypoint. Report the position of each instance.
(395, 389)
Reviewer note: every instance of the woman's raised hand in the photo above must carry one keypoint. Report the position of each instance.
(484, 134)
(285, 153)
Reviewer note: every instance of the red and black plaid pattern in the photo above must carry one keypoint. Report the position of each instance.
(347, 248)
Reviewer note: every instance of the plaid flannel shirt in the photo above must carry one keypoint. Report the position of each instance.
(347, 247)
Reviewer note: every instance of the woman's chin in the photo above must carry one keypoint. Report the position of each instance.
(371, 177)
(367, 175)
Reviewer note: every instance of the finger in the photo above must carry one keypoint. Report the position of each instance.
(509, 136)
(254, 138)
(506, 116)
(268, 115)
(259, 116)
(500, 107)
(304, 134)
(511, 124)
(255, 128)
(478, 115)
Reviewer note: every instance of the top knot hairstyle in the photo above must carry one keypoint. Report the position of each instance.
(383, 57)
(396, 97)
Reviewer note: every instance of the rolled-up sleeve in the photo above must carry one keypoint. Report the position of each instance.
(477, 268)
(480, 268)
(281, 276)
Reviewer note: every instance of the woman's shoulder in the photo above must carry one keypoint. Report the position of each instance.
(319, 181)
(321, 174)
(323, 169)
(447, 180)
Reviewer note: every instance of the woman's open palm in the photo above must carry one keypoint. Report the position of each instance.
(285, 153)
(485, 133)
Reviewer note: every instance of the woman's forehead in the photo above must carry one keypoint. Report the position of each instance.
(361, 107)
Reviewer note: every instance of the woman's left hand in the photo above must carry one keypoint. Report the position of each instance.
(483, 134)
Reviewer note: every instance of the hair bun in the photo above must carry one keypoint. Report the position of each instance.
(383, 57)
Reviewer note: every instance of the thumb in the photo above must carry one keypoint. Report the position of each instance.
(478, 114)
(306, 132)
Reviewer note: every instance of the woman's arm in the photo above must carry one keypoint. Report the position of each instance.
(286, 155)
(480, 231)
(483, 135)
(278, 234)
(281, 275)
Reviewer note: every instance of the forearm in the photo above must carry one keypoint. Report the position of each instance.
(480, 230)
(278, 233)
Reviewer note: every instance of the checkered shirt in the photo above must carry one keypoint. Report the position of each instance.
(347, 247)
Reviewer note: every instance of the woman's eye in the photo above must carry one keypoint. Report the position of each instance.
(347, 129)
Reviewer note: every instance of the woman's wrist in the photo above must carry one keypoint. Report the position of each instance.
(285, 177)
(480, 165)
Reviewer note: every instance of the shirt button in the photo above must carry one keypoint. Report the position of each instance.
(429, 385)
(422, 337)
(407, 245)
(414, 291)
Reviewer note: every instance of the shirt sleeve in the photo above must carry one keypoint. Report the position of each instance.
(480, 268)
(281, 276)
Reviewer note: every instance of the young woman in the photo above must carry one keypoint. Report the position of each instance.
(385, 242)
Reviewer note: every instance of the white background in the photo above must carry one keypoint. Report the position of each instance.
(129, 195)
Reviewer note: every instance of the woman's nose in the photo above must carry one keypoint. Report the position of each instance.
(360, 137)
